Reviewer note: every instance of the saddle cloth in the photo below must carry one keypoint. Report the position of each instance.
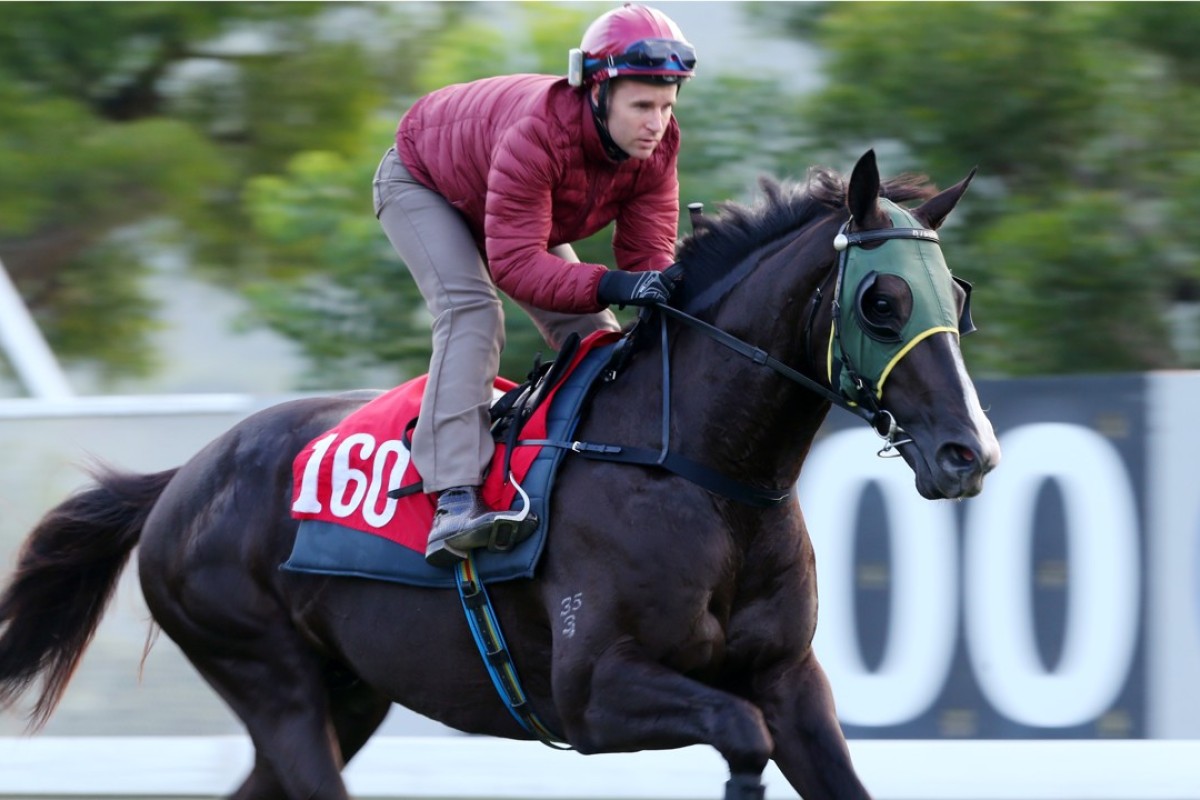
(348, 524)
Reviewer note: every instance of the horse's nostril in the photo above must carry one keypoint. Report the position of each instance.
(958, 458)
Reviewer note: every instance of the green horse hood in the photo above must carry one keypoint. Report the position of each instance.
(861, 356)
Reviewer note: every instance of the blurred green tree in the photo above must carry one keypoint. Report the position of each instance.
(1073, 230)
(114, 115)
(1062, 302)
(248, 133)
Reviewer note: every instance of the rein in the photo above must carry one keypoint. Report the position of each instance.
(880, 420)
(763, 358)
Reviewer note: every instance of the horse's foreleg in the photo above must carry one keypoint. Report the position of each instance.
(260, 784)
(810, 749)
(628, 703)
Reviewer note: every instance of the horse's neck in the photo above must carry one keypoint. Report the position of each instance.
(727, 412)
(758, 423)
(740, 416)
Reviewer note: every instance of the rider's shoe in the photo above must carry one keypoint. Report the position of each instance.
(464, 522)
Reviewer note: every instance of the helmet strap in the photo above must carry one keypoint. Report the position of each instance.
(599, 104)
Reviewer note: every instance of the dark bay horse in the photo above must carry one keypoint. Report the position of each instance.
(693, 613)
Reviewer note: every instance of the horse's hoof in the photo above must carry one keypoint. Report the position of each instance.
(745, 786)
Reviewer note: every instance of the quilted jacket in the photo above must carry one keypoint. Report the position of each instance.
(520, 157)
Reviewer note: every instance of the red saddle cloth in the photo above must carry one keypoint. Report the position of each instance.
(344, 475)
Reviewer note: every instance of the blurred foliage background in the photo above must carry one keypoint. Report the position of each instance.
(246, 135)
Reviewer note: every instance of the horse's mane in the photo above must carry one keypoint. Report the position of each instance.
(714, 256)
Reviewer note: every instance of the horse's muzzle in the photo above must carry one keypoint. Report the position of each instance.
(959, 469)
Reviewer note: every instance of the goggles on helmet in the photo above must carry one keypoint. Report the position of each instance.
(656, 54)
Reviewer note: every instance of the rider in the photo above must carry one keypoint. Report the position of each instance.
(486, 187)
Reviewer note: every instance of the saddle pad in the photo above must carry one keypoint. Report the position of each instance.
(350, 527)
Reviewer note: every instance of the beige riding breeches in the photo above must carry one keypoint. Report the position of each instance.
(451, 445)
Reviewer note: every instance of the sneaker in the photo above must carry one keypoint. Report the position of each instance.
(464, 522)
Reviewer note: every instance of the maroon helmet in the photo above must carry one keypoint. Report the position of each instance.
(637, 42)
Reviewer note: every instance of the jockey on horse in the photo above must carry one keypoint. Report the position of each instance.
(486, 187)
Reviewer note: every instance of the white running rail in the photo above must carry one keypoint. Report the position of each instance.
(469, 767)
(22, 340)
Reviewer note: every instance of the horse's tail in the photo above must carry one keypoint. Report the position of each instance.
(66, 574)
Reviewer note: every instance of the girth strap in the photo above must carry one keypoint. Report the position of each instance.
(485, 629)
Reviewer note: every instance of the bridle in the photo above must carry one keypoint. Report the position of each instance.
(863, 402)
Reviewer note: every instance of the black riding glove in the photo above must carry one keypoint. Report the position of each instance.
(634, 288)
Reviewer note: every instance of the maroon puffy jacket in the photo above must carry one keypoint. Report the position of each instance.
(520, 157)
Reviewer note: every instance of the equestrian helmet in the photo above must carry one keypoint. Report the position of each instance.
(634, 41)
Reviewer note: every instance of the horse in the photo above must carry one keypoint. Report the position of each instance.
(693, 611)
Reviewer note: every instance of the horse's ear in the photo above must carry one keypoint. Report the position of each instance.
(933, 212)
(862, 197)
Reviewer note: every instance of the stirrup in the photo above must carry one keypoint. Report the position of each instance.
(508, 532)
(498, 531)
(511, 528)
(502, 534)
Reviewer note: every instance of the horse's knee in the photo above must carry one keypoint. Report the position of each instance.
(634, 703)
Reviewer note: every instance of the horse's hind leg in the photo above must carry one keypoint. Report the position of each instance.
(305, 721)
(282, 702)
(356, 713)
(303, 715)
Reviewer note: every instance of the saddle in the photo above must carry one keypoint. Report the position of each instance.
(358, 496)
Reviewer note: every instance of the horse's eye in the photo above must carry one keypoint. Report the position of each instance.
(881, 306)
